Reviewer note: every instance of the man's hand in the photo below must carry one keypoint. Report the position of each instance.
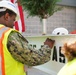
(49, 42)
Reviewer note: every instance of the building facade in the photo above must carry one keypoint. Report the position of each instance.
(64, 18)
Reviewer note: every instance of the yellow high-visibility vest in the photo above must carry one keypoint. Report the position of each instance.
(8, 65)
(69, 68)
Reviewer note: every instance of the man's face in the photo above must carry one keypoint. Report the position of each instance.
(10, 20)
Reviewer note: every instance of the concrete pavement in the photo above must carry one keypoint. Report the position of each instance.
(34, 71)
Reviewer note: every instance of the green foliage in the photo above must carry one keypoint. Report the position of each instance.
(40, 8)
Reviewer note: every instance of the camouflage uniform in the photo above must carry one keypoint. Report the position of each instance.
(20, 49)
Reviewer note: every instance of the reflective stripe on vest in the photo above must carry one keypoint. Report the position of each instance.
(0, 52)
(3, 29)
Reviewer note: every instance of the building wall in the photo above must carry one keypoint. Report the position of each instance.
(65, 18)
(67, 2)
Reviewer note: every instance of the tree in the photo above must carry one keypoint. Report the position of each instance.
(41, 8)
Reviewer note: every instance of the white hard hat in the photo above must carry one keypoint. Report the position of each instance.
(9, 5)
(60, 31)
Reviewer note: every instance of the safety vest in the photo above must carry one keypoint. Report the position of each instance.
(8, 65)
(69, 68)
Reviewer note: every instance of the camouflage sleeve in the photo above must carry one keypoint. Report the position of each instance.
(21, 51)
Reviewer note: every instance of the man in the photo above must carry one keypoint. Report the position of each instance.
(15, 51)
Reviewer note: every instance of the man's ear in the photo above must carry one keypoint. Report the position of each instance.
(6, 16)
